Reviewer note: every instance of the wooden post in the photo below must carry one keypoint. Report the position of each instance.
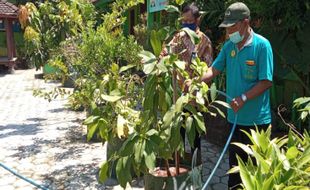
(8, 31)
(10, 43)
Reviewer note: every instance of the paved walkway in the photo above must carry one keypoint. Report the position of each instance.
(45, 141)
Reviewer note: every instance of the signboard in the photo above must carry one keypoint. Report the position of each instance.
(157, 5)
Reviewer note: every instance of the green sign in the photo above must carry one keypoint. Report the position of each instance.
(157, 5)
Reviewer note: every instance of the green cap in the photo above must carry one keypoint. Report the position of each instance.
(234, 13)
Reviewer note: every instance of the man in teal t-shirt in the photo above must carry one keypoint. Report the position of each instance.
(248, 60)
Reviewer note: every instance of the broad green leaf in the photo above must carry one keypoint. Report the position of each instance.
(190, 130)
(128, 146)
(156, 43)
(225, 104)
(168, 117)
(193, 36)
(219, 111)
(151, 132)
(244, 147)
(292, 153)
(138, 151)
(146, 56)
(200, 122)
(103, 173)
(300, 101)
(180, 102)
(103, 129)
(123, 171)
(199, 98)
(245, 175)
(268, 184)
(303, 115)
(91, 119)
(125, 68)
(171, 9)
(235, 169)
(213, 92)
(149, 155)
(109, 98)
(180, 64)
(92, 128)
(121, 127)
(161, 66)
(148, 67)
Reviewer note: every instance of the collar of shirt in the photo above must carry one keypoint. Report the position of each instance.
(249, 41)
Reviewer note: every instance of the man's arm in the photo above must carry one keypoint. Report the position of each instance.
(209, 75)
(257, 90)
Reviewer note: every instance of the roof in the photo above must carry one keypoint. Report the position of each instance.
(8, 10)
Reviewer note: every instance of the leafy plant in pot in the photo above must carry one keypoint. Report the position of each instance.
(165, 110)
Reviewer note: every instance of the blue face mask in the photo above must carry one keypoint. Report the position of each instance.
(191, 26)
(235, 37)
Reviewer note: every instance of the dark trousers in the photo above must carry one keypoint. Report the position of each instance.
(239, 136)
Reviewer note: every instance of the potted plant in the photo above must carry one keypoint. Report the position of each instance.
(165, 110)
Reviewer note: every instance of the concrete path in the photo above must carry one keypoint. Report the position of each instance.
(46, 142)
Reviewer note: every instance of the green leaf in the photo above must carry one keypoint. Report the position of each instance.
(149, 155)
(213, 92)
(292, 152)
(139, 150)
(152, 132)
(147, 56)
(303, 115)
(109, 98)
(91, 119)
(148, 67)
(92, 128)
(161, 66)
(123, 171)
(103, 173)
(103, 129)
(244, 147)
(268, 184)
(225, 104)
(179, 2)
(172, 9)
(180, 64)
(128, 146)
(245, 175)
(190, 130)
(193, 36)
(156, 43)
(219, 111)
(168, 117)
(121, 124)
(199, 98)
(180, 102)
(235, 169)
(127, 67)
(200, 122)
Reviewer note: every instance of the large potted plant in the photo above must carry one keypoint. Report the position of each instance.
(155, 133)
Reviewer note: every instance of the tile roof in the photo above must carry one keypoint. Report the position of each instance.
(8, 9)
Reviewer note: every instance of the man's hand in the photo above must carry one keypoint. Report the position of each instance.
(236, 104)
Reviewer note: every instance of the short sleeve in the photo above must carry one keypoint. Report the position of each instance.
(220, 61)
(265, 62)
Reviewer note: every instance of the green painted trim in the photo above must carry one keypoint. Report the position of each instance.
(150, 16)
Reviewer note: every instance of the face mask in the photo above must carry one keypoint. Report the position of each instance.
(192, 26)
(235, 37)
